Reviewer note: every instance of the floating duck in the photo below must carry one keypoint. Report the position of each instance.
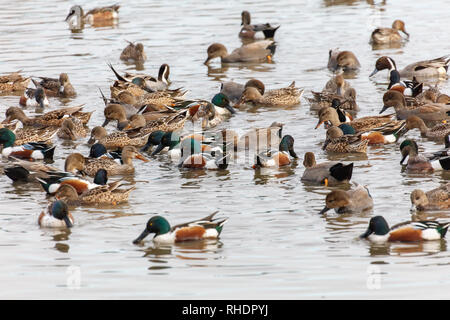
(56, 216)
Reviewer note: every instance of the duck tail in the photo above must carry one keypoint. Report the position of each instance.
(105, 100)
(272, 48)
(342, 172)
(48, 153)
(118, 76)
(220, 224)
(270, 33)
(17, 173)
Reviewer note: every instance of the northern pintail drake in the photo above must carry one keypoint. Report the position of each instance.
(202, 229)
(342, 61)
(277, 158)
(56, 216)
(133, 53)
(328, 173)
(423, 69)
(118, 139)
(355, 200)
(347, 101)
(256, 139)
(438, 131)
(259, 51)
(106, 194)
(389, 35)
(76, 162)
(337, 142)
(13, 82)
(234, 90)
(51, 118)
(379, 231)
(151, 84)
(423, 163)
(29, 151)
(427, 112)
(72, 128)
(436, 199)
(97, 16)
(249, 30)
(60, 87)
(288, 96)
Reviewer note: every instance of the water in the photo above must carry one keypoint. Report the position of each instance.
(275, 245)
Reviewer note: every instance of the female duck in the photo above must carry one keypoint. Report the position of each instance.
(259, 51)
(352, 201)
(439, 131)
(289, 96)
(379, 231)
(202, 229)
(436, 199)
(337, 142)
(57, 216)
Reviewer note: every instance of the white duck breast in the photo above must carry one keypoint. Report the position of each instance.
(49, 221)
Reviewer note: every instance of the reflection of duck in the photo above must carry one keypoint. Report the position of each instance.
(259, 51)
(342, 61)
(288, 96)
(379, 231)
(13, 82)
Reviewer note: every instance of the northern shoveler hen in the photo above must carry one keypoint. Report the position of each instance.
(436, 199)
(278, 158)
(201, 229)
(259, 51)
(389, 35)
(13, 82)
(117, 139)
(288, 96)
(249, 30)
(325, 173)
(56, 216)
(73, 129)
(351, 201)
(95, 17)
(345, 61)
(379, 231)
(29, 151)
(77, 162)
(133, 53)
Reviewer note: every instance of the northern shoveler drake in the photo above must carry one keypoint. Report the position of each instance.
(423, 69)
(423, 163)
(51, 183)
(337, 142)
(13, 82)
(277, 158)
(345, 61)
(428, 112)
(439, 131)
(202, 229)
(29, 134)
(52, 118)
(379, 231)
(389, 35)
(117, 139)
(211, 113)
(159, 83)
(106, 194)
(72, 128)
(60, 87)
(57, 216)
(95, 17)
(259, 51)
(29, 151)
(34, 98)
(436, 199)
(77, 162)
(351, 201)
(133, 53)
(192, 157)
(288, 96)
(249, 30)
(325, 173)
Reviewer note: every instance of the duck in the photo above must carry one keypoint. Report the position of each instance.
(234, 90)
(51, 118)
(34, 98)
(249, 30)
(288, 96)
(259, 51)
(436, 199)
(76, 162)
(326, 173)
(30, 134)
(407, 88)
(98, 150)
(423, 69)
(202, 229)
(337, 142)
(355, 200)
(173, 141)
(439, 131)
(54, 180)
(106, 194)
(192, 157)
(423, 163)
(13, 82)
(133, 53)
(57, 215)
(72, 129)
(30, 151)
(60, 87)
(379, 231)
(118, 139)
(277, 158)
(345, 61)
(211, 113)
(97, 16)
(389, 35)
(427, 112)
(25, 171)
(153, 84)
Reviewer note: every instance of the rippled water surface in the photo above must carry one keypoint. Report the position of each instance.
(275, 244)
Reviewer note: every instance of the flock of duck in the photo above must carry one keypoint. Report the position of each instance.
(150, 120)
